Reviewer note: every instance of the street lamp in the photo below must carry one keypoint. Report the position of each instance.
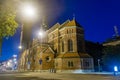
(115, 70)
(41, 35)
(27, 11)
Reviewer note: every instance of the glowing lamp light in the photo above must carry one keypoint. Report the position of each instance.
(28, 10)
(14, 55)
(20, 47)
(8, 63)
(40, 33)
(115, 68)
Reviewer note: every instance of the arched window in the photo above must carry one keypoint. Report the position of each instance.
(67, 31)
(70, 45)
(62, 46)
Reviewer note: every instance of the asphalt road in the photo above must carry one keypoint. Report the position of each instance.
(55, 76)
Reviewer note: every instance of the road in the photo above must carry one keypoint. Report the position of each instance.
(55, 76)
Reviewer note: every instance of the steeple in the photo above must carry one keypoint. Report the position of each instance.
(44, 24)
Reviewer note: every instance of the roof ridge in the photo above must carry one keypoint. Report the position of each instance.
(67, 21)
(54, 26)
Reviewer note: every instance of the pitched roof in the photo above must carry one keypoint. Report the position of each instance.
(63, 24)
(54, 27)
(48, 49)
(73, 23)
(84, 55)
(74, 55)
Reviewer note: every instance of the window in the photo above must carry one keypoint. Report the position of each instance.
(70, 45)
(67, 31)
(62, 46)
(70, 64)
(48, 59)
(86, 64)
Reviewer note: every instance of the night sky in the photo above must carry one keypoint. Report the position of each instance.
(98, 17)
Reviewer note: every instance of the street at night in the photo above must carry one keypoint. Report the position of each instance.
(55, 76)
(59, 40)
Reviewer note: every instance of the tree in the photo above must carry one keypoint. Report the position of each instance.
(111, 56)
(8, 24)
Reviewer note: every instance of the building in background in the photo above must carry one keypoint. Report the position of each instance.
(61, 48)
(9, 65)
(115, 40)
(112, 42)
(111, 52)
(96, 51)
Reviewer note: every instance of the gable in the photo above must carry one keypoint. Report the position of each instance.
(48, 50)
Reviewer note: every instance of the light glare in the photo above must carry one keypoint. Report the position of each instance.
(115, 68)
(20, 47)
(28, 11)
(40, 34)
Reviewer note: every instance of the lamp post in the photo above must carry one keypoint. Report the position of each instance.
(27, 11)
(40, 34)
(99, 65)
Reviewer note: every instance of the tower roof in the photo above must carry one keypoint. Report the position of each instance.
(73, 23)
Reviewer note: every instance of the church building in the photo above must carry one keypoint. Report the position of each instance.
(60, 48)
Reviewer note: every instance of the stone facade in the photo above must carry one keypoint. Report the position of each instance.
(61, 48)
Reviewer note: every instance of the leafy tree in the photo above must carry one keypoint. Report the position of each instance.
(8, 24)
(111, 56)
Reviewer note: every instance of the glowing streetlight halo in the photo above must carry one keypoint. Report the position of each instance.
(20, 47)
(28, 10)
(14, 55)
(40, 34)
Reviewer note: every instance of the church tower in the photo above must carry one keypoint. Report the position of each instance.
(44, 25)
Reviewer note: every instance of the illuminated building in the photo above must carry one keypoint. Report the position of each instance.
(62, 47)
